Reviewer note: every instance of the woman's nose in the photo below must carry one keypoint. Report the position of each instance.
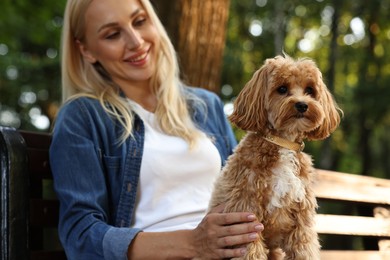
(133, 39)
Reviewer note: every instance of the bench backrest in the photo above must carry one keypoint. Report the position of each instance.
(354, 212)
(29, 209)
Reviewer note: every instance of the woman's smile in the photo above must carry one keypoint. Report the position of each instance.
(139, 59)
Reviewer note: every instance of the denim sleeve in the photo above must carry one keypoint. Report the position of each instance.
(225, 128)
(85, 226)
(117, 239)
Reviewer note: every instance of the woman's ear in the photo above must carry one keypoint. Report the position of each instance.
(85, 52)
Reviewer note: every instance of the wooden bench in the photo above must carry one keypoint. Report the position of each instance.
(353, 215)
(29, 209)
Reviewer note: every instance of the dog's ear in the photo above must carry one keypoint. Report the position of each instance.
(332, 115)
(249, 113)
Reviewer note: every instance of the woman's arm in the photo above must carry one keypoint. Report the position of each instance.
(212, 239)
(86, 163)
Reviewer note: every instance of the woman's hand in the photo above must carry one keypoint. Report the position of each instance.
(218, 236)
(225, 235)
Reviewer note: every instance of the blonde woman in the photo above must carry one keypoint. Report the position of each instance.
(134, 151)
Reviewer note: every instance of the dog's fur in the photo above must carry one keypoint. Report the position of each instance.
(271, 181)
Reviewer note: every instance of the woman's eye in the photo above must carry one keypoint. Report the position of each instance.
(139, 22)
(112, 36)
(282, 90)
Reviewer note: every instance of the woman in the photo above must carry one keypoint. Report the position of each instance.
(134, 151)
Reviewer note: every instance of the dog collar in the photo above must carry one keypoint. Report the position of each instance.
(295, 146)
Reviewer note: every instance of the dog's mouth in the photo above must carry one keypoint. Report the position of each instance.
(300, 115)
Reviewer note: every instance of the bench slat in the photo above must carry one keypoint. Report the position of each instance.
(352, 225)
(13, 205)
(350, 187)
(353, 255)
(37, 140)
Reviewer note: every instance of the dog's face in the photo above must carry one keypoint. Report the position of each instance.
(289, 97)
(293, 96)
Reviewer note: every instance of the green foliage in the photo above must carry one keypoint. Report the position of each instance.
(29, 62)
(354, 59)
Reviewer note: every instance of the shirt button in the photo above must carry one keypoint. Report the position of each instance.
(129, 187)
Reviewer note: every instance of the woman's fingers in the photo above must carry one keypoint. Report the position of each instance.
(235, 217)
(232, 252)
(228, 241)
(243, 228)
(226, 235)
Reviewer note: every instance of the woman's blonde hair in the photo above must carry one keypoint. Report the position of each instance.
(81, 78)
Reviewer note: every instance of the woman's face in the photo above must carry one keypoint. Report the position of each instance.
(120, 36)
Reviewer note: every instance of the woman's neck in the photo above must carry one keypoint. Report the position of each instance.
(142, 94)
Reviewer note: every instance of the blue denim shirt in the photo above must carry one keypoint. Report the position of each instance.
(96, 176)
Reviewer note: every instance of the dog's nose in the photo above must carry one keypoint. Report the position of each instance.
(301, 107)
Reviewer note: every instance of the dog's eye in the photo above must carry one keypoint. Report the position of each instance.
(309, 91)
(282, 90)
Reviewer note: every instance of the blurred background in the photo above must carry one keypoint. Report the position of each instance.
(349, 40)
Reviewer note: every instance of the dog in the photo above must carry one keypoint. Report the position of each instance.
(285, 103)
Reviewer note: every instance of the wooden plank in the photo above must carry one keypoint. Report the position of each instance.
(350, 187)
(352, 225)
(39, 140)
(384, 246)
(353, 255)
(14, 195)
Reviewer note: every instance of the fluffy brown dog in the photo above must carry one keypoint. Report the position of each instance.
(284, 103)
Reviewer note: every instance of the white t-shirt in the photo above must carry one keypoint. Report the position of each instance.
(175, 182)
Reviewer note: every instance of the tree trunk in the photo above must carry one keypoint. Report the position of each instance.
(197, 29)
